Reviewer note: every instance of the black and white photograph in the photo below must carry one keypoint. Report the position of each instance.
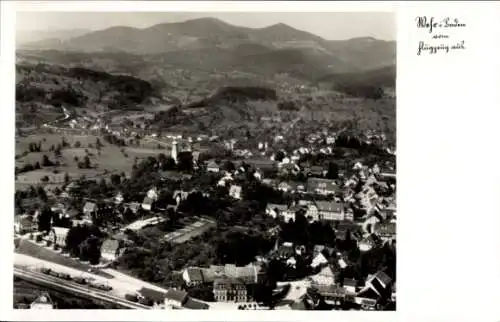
(205, 161)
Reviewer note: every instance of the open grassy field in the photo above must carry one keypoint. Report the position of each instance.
(110, 159)
(30, 248)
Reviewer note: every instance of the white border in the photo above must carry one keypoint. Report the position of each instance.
(448, 182)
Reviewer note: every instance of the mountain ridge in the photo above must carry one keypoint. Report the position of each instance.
(202, 33)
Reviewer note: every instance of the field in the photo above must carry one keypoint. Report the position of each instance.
(110, 159)
(31, 249)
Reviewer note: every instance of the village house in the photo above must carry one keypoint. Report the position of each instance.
(315, 171)
(152, 194)
(58, 236)
(213, 167)
(290, 213)
(133, 206)
(330, 210)
(275, 210)
(147, 204)
(325, 277)
(350, 285)
(193, 276)
(197, 275)
(154, 297)
(192, 304)
(119, 198)
(89, 210)
(321, 186)
(386, 231)
(110, 250)
(235, 191)
(175, 299)
(367, 243)
(376, 287)
(291, 262)
(24, 224)
(285, 250)
(230, 290)
(43, 302)
(319, 260)
(332, 294)
(180, 195)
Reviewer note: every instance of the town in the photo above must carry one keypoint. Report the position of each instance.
(285, 226)
(208, 177)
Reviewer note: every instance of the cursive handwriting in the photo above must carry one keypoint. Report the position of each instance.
(434, 49)
(431, 23)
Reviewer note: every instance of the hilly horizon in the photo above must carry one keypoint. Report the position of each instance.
(356, 54)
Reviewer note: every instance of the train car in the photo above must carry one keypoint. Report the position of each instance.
(53, 273)
(131, 297)
(45, 270)
(100, 286)
(80, 280)
(65, 276)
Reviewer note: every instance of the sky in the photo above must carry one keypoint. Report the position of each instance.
(332, 25)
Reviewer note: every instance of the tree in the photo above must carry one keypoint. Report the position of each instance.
(169, 164)
(45, 219)
(46, 161)
(185, 161)
(57, 151)
(90, 250)
(86, 162)
(229, 166)
(66, 178)
(279, 156)
(77, 144)
(115, 179)
(333, 171)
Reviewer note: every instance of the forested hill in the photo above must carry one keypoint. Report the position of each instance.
(79, 87)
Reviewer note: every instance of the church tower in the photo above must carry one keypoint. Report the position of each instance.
(174, 152)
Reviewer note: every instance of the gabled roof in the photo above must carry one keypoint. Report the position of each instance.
(280, 207)
(349, 282)
(329, 206)
(318, 260)
(110, 246)
(154, 295)
(382, 277)
(192, 304)
(176, 295)
(212, 164)
(89, 207)
(319, 183)
(386, 228)
(147, 201)
(44, 298)
(327, 272)
(195, 274)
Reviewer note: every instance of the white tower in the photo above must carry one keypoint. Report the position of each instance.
(174, 152)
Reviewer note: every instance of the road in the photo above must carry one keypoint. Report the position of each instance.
(75, 288)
